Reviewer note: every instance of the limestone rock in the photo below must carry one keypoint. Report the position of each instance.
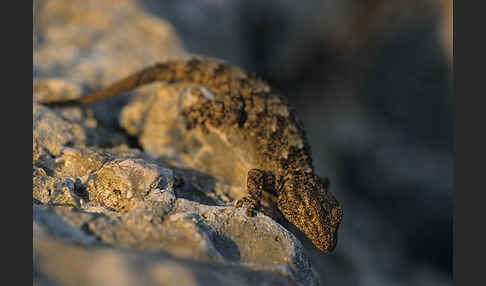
(104, 211)
(127, 203)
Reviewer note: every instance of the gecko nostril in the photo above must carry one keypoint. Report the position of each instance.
(337, 214)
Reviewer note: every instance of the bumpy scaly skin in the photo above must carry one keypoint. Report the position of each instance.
(245, 104)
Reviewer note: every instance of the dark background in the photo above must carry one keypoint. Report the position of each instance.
(372, 81)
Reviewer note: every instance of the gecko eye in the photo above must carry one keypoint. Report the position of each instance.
(308, 212)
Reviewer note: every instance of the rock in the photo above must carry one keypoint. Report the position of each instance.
(106, 212)
(130, 203)
(155, 118)
(125, 201)
(108, 266)
(92, 42)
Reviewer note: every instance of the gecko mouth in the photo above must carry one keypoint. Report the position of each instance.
(329, 242)
(324, 232)
(324, 239)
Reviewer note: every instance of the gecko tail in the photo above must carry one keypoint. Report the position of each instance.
(211, 73)
(129, 83)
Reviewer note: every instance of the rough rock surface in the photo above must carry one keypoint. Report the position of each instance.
(120, 198)
(118, 214)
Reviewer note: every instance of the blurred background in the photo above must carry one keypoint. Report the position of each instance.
(372, 82)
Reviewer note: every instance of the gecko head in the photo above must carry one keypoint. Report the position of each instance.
(306, 203)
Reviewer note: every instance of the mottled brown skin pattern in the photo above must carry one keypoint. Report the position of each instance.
(246, 104)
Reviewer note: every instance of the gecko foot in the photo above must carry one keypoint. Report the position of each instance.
(257, 182)
(250, 205)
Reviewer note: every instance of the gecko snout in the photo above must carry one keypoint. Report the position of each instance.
(306, 203)
(336, 215)
(324, 234)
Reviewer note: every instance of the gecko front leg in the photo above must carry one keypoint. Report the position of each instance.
(258, 181)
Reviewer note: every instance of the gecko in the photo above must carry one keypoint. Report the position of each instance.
(247, 105)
